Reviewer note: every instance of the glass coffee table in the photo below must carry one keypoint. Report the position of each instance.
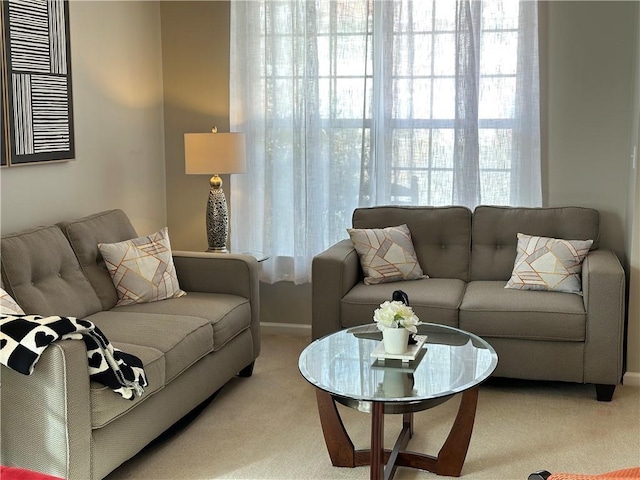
(343, 370)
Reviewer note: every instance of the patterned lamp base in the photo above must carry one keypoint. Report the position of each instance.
(217, 217)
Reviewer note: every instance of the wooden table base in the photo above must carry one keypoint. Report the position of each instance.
(343, 454)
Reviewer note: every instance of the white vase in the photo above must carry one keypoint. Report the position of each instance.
(395, 340)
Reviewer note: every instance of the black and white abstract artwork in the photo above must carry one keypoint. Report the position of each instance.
(37, 69)
(4, 154)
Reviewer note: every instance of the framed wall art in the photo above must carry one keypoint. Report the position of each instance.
(4, 153)
(37, 113)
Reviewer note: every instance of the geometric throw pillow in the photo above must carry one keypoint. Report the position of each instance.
(142, 269)
(8, 305)
(386, 254)
(544, 263)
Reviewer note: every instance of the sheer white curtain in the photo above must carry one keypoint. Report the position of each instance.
(361, 102)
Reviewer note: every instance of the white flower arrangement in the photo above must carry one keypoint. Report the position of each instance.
(396, 314)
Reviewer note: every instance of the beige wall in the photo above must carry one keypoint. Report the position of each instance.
(195, 47)
(633, 353)
(116, 64)
(587, 83)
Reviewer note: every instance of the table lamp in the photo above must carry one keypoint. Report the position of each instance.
(215, 153)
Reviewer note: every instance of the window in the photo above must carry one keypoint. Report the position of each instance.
(359, 102)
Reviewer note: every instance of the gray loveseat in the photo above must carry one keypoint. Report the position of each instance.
(58, 422)
(469, 256)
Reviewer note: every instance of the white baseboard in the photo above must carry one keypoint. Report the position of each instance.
(631, 379)
(276, 328)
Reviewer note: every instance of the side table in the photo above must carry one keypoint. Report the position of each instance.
(259, 256)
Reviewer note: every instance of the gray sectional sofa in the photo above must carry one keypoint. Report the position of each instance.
(59, 422)
(469, 256)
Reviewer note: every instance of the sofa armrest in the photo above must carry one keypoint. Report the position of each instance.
(46, 418)
(334, 272)
(217, 272)
(603, 285)
(222, 273)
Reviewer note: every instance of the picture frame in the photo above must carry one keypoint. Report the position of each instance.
(4, 153)
(37, 102)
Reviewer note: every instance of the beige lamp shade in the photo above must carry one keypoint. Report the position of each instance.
(214, 153)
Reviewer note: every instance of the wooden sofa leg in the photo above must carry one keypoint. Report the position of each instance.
(604, 393)
(248, 370)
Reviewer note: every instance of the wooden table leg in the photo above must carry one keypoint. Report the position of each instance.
(450, 458)
(401, 444)
(454, 450)
(377, 441)
(407, 422)
(339, 445)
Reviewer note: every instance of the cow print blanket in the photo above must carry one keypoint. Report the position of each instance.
(23, 338)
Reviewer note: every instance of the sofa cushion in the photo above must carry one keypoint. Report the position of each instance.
(84, 234)
(495, 231)
(441, 235)
(544, 263)
(490, 310)
(182, 339)
(107, 406)
(228, 314)
(386, 254)
(142, 268)
(432, 299)
(42, 274)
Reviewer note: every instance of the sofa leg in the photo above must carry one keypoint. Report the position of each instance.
(247, 371)
(604, 393)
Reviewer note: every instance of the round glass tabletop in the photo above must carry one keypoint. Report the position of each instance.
(451, 361)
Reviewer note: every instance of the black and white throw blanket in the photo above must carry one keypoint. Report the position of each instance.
(23, 338)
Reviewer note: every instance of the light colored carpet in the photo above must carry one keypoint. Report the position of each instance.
(267, 427)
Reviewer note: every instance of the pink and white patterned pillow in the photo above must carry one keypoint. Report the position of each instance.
(142, 268)
(544, 263)
(8, 305)
(386, 254)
